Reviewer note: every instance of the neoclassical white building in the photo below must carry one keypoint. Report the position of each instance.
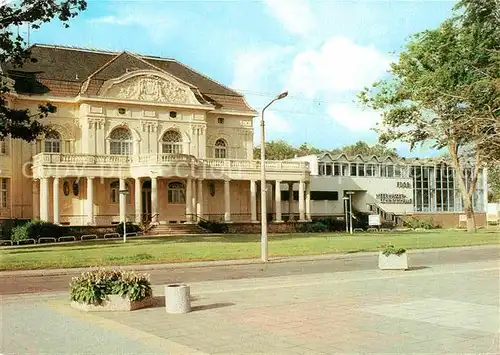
(180, 143)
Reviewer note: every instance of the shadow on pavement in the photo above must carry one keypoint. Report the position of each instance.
(159, 301)
(413, 268)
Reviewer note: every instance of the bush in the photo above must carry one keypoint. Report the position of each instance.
(35, 230)
(214, 227)
(412, 222)
(391, 249)
(332, 224)
(93, 287)
(131, 228)
(312, 227)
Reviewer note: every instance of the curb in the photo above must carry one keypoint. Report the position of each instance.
(195, 264)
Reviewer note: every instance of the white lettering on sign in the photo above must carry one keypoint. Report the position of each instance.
(394, 199)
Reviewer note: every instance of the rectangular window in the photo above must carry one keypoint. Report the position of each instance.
(345, 169)
(321, 169)
(325, 195)
(336, 169)
(329, 169)
(390, 170)
(3, 146)
(4, 193)
(370, 170)
(361, 169)
(354, 169)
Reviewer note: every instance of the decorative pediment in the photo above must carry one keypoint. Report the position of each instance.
(148, 85)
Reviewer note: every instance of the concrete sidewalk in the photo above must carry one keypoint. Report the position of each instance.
(434, 310)
(197, 264)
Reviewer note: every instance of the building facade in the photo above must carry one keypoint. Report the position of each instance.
(134, 138)
(397, 186)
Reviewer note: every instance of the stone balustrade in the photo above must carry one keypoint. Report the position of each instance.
(61, 159)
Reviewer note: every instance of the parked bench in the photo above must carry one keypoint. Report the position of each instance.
(358, 230)
(6, 242)
(111, 235)
(372, 230)
(67, 238)
(26, 241)
(46, 240)
(88, 237)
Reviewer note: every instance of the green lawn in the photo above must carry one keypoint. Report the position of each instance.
(223, 247)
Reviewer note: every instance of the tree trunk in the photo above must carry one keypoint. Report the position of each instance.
(469, 212)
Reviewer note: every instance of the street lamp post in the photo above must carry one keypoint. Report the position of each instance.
(124, 192)
(346, 211)
(263, 190)
(350, 193)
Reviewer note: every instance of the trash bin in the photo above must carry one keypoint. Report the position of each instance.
(177, 298)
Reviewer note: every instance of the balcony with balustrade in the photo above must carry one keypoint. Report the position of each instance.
(182, 165)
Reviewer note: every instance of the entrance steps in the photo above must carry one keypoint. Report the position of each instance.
(176, 229)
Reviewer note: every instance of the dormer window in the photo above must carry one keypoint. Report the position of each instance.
(220, 120)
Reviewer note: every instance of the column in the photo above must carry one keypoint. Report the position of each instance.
(36, 200)
(308, 201)
(154, 200)
(90, 201)
(55, 199)
(253, 201)
(44, 199)
(189, 199)
(227, 201)
(138, 201)
(301, 201)
(123, 201)
(193, 205)
(199, 200)
(277, 200)
(290, 201)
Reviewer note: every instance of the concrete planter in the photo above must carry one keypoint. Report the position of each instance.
(113, 303)
(393, 262)
(177, 298)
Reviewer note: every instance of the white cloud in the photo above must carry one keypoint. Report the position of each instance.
(252, 67)
(275, 126)
(339, 65)
(353, 118)
(155, 21)
(294, 15)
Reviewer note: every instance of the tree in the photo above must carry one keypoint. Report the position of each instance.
(15, 122)
(362, 148)
(280, 150)
(276, 150)
(494, 182)
(442, 90)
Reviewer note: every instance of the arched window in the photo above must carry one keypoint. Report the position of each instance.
(114, 189)
(52, 142)
(221, 149)
(120, 142)
(172, 142)
(176, 193)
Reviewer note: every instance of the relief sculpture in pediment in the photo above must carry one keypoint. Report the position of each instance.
(151, 88)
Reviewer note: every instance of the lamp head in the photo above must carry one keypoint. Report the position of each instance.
(282, 95)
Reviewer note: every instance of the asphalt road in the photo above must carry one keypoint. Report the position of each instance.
(417, 259)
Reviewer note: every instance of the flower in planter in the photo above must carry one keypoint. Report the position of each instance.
(93, 287)
(392, 250)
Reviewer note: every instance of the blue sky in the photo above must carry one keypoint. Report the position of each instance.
(322, 52)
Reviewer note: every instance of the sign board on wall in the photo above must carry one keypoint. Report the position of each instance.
(394, 199)
(374, 220)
